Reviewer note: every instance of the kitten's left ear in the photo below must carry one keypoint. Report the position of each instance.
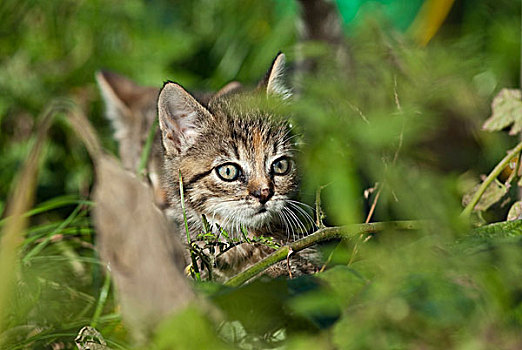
(274, 81)
(180, 116)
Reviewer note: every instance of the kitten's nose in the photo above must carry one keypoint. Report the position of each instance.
(263, 193)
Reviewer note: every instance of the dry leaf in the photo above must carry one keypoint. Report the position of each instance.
(146, 257)
(506, 111)
(135, 239)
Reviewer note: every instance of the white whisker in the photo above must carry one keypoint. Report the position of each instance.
(302, 227)
(303, 213)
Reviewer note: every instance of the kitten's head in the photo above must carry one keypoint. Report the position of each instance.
(236, 161)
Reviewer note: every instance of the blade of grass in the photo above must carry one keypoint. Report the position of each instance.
(52, 204)
(39, 232)
(38, 248)
(102, 299)
(59, 258)
(197, 274)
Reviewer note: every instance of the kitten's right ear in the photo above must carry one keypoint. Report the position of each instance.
(274, 80)
(179, 115)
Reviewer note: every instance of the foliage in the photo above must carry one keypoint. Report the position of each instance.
(506, 111)
(405, 117)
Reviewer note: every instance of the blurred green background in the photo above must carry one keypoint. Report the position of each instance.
(399, 114)
(52, 49)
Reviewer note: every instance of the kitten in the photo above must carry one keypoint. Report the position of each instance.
(237, 167)
(236, 162)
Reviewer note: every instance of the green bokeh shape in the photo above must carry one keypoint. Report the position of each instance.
(401, 13)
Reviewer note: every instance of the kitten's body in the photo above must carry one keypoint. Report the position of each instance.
(207, 141)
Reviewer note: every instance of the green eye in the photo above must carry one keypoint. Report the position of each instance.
(228, 171)
(281, 166)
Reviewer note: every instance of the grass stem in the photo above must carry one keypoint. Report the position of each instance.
(489, 179)
(102, 299)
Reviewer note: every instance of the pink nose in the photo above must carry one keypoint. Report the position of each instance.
(263, 194)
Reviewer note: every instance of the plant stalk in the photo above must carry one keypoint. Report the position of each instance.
(489, 179)
(321, 235)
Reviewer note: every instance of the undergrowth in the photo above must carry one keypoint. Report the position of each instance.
(396, 137)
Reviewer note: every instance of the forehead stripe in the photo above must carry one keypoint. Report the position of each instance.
(196, 178)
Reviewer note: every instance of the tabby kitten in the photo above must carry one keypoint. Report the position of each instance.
(237, 167)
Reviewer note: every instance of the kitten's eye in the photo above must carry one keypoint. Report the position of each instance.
(228, 171)
(281, 166)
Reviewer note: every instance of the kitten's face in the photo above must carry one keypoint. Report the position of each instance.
(236, 162)
(240, 171)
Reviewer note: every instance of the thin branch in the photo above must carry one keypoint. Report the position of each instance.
(374, 204)
(321, 235)
(489, 179)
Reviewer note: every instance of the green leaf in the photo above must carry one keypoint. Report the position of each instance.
(505, 229)
(506, 111)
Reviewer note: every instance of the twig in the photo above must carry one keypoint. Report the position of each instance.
(319, 213)
(356, 109)
(321, 235)
(374, 204)
(368, 218)
(397, 151)
(399, 108)
(489, 179)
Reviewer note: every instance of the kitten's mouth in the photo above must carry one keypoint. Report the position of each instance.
(262, 210)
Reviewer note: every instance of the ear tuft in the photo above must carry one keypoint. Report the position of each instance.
(179, 116)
